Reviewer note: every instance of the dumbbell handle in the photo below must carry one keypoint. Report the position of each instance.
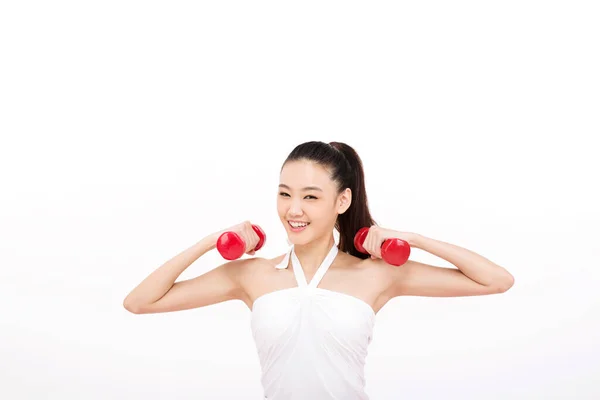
(394, 251)
(231, 246)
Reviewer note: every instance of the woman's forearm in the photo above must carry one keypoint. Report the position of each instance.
(473, 265)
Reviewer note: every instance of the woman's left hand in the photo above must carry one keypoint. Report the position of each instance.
(377, 235)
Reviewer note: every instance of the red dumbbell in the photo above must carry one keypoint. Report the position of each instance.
(231, 246)
(393, 251)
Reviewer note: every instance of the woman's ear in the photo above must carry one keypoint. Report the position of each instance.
(344, 201)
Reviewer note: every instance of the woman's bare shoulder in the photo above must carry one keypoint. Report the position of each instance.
(271, 262)
(350, 261)
(258, 265)
(375, 269)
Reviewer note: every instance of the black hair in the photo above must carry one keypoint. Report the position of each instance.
(346, 169)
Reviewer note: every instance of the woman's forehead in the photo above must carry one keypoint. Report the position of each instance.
(298, 175)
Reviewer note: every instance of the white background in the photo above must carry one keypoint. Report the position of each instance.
(131, 130)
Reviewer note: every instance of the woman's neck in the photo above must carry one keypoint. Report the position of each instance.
(312, 254)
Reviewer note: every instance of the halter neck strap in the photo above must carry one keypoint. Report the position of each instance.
(299, 272)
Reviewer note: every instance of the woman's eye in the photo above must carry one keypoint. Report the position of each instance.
(283, 194)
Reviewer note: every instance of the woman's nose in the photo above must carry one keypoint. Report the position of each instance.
(295, 208)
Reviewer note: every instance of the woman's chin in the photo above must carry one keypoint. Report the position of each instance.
(297, 240)
(292, 239)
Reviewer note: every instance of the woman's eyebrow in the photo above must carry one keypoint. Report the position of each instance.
(284, 186)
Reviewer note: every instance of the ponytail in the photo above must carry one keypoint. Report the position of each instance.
(347, 171)
(358, 214)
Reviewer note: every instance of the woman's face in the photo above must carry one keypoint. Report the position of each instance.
(308, 203)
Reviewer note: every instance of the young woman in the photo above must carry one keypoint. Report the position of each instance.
(313, 308)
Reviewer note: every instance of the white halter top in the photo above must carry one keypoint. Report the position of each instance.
(312, 342)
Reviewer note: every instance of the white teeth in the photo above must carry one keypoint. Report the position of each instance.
(298, 224)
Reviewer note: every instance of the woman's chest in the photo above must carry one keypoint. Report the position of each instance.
(339, 286)
(321, 314)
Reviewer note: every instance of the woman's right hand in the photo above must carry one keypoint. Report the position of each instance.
(246, 232)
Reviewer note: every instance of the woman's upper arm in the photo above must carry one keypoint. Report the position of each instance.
(418, 279)
(215, 286)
